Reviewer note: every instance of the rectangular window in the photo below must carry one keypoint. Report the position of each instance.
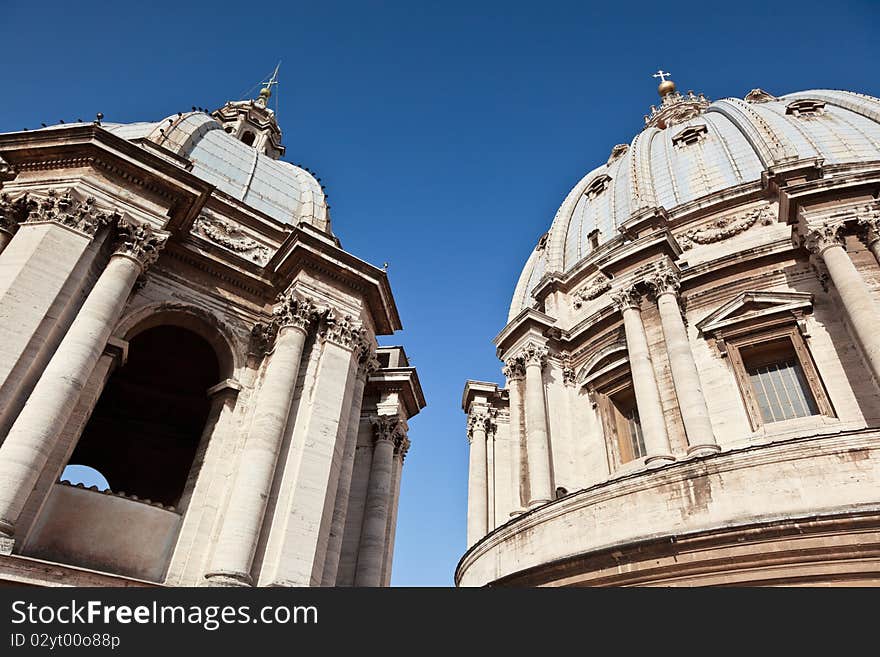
(630, 441)
(778, 382)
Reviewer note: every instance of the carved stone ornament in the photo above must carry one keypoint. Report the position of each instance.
(389, 428)
(514, 368)
(663, 281)
(365, 353)
(14, 212)
(293, 310)
(676, 108)
(598, 286)
(759, 96)
(534, 354)
(817, 240)
(69, 211)
(569, 376)
(628, 297)
(869, 221)
(228, 235)
(725, 228)
(339, 330)
(262, 338)
(402, 447)
(478, 420)
(139, 241)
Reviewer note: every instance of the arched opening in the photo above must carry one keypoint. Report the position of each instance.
(248, 138)
(145, 430)
(85, 475)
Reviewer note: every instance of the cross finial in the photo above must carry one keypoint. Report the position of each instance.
(274, 78)
(662, 75)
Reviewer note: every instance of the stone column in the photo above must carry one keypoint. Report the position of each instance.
(400, 450)
(491, 428)
(827, 241)
(869, 220)
(514, 371)
(644, 382)
(478, 497)
(243, 520)
(12, 213)
(367, 364)
(537, 436)
(33, 435)
(686, 378)
(387, 431)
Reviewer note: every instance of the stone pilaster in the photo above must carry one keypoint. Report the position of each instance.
(234, 553)
(827, 241)
(534, 358)
(388, 430)
(34, 433)
(692, 403)
(644, 382)
(365, 354)
(515, 373)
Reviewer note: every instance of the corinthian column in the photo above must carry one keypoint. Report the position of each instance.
(388, 430)
(478, 501)
(827, 242)
(243, 520)
(694, 412)
(644, 382)
(367, 364)
(537, 436)
(869, 220)
(12, 213)
(514, 371)
(34, 433)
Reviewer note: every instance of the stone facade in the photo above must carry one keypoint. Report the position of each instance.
(191, 234)
(692, 361)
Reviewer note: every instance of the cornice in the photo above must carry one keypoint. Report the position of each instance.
(402, 380)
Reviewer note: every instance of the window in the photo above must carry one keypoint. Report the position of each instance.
(778, 382)
(627, 427)
(248, 138)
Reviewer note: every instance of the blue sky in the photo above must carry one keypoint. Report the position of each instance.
(447, 135)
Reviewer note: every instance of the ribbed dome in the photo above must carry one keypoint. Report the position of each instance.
(683, 163)
(279, 189)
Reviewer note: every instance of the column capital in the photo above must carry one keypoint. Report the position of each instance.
(569, 375)
(365, 352)
(14, 212)
(818, 239)
(401, 446)
(869, 221)
(477, 420)
(339, 329)
(68, 210)
(627, 297)
(294, 311)
(139, 242)
(664, 281)
(387, 428)
(534, 354)
(514, 369)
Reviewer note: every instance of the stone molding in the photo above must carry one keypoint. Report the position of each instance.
(597, 286)
(725, 228)
(821, 238)
(139, 242)
(67, 210)
(228, 235)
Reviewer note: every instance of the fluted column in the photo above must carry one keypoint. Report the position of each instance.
(33, 435)
(514, 372)
(478, 500)
(869, 220)
(243, 520)
(685, 377)
(387, 431)
(827, 242)
(534, 358)
(367, 364)
(644, 382)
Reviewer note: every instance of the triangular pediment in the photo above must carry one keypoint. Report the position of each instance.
(751, 305)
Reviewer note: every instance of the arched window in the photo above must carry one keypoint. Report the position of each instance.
(146, 427)
(248, 138)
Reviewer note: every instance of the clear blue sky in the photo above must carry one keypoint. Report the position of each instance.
(447, 134)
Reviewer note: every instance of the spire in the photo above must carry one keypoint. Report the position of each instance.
(252, 122)
(266, 91)
(674, 108)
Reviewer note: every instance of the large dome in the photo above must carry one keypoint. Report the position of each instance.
(693, 154)
(216, 146)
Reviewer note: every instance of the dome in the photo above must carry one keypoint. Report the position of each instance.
(247, 172)
(693, 154)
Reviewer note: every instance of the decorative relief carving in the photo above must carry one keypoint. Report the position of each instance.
(534, 354)
(759, 96)
(14, 212)
(294, 310)
(617, 152)
(676, 108)
(69, 211)
(478, 420)
(820, 238)
(262, 338)
(139, 241)
(595, 288)
(339, 330)
(227, 234)
(365, 353)
(514, 369)
(388, 428)
(869, 221)
(401, 448)
(628, 297)
(664, 281)
(725, 228)
(569, 376)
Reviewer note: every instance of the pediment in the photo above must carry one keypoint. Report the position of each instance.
(754, 305)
